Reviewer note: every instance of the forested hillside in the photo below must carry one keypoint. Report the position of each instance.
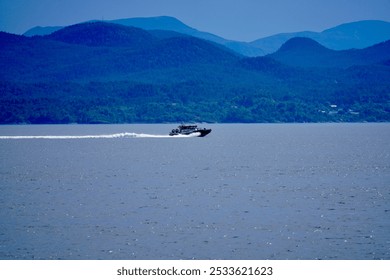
(108, 73)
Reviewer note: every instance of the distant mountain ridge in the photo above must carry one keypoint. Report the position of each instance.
(133, 49)
(100, 72)
(167, 24)
(157, 23)
(96, 50)
(305, 52)
(103, 34)
(41, 30)
(359, 34)
(354, 35)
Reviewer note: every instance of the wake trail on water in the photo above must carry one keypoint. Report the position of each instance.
(102, 136)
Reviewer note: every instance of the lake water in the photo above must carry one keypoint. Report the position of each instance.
(256, 191)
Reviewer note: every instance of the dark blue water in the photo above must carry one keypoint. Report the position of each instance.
(280, 191)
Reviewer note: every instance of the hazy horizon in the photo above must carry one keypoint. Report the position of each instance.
(245, 20)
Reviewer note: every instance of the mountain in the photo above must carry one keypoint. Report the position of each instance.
(361, 34)
(272, 43)
(41, 30)
(305, 52)
(100, 72)
(358, 35)
(103, 34)
(7, 38)
(167, 24)
(97, 50)
(173, 24)
(158, 23)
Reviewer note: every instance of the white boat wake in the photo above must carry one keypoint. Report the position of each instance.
(102, 136)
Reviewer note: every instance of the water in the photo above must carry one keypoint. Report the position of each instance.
(280, 191)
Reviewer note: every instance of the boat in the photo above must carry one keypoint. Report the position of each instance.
(190, 130)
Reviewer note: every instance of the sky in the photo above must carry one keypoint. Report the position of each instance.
(241, 20)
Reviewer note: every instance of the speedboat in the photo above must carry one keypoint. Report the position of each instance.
(190, 130)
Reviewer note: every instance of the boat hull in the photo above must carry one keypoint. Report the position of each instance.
(199, 132)
(204, 132)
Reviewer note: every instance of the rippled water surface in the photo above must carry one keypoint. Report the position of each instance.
(278, 191)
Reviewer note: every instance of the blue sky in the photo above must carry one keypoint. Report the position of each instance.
(244, 20)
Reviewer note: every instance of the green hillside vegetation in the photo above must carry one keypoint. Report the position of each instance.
(108, 73)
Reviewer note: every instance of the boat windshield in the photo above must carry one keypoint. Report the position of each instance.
(188, 127)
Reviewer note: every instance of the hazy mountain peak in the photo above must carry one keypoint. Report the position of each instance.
(156, 23)
(166, 23)
(361, 26)
(41, 30)
(102, 34)
(360, 34)
(302, 44)
(305, 52)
